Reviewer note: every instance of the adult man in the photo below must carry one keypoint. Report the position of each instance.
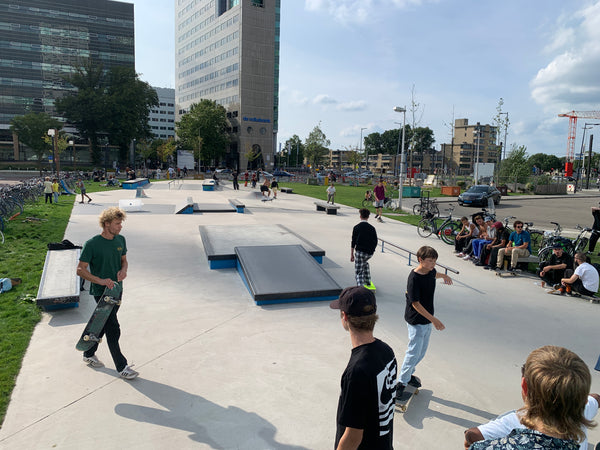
(364, 243)
(379, 192)
(583, 281)
(103, 262)
(365, 414)
(234, 176)
(555, 385)
(553, 270)
(519, 245)
(492, 248)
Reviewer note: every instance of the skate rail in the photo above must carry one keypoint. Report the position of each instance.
(412, 254)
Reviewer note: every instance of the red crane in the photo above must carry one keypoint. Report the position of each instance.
(573, 116)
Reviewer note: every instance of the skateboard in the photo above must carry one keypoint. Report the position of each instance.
(409, 391)
(504, 274)
(107, 302)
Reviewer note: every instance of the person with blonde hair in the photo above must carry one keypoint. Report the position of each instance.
(555, 384)
(103, 262)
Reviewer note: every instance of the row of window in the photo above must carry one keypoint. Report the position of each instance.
(212, 47)
(202, 94)
(155, 119)
(26, 101)
(166, 104)
(210, 62)
(157, 111)
(37, 66)
(41, 12)
(65, 33)
(40, 84)
(196, 15)
(191, 5)
(210, 76)
(234, 20)
(163, 128)
(79, 53)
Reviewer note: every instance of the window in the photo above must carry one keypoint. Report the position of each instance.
(258, 3)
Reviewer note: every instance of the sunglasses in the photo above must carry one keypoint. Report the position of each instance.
(519, 226)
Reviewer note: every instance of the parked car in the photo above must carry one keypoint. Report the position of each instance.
(282, 173)
(266, 174)
(351, 174)
(478, 195)
(366, 173)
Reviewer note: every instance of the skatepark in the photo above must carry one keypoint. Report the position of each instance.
(220, 371)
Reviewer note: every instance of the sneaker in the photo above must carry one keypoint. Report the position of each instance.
(466, 257)
(510, 269)
(556, 287)
(460, 255)
(93, 361)
(414, 381)
(379, 219)
(480, 264)
(89, 200)
(128, 373)
(488, 267)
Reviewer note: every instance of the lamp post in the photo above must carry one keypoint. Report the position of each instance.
(402, 155)
(396, 170)
(505, 134)
(360, 149)
(587, 126)
(477, 132)
(53, 133)
(72, 144)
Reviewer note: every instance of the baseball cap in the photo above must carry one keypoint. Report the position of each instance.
(556, 245)
(487, 219)
(497, 225)
(355, 301)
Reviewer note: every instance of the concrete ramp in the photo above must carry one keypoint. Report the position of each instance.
(59, 286)
(284, 274)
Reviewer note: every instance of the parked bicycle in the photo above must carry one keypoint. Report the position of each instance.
(446, 230)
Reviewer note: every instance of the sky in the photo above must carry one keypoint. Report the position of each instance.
(345, 64)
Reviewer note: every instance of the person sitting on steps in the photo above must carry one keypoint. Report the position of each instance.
(553, 270)
(583, 281)
(519, 246)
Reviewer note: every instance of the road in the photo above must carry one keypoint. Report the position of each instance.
(568, 210)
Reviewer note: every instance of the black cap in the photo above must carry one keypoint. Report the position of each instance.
(356, 301)
(556, 245)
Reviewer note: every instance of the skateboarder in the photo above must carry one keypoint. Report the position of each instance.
(418, 314)
(365, 415)
(555, 385)
(103, 262)
(364, 243)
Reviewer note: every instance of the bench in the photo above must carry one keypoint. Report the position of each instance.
(134, 184)
(239, 206)
(529, 259)
(324, 206)
(287, 190)
(60, 284)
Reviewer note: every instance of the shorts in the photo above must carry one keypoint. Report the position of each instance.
(378, 203)
(264, 188)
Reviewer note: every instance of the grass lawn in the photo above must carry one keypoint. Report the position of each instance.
(23, 256)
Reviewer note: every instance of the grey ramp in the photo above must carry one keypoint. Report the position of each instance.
(284, 272)
(60, 282)
(220, 240)
(213, 207)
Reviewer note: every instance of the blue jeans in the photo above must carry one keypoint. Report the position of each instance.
(418, 341)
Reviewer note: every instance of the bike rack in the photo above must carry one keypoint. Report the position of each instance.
(410, 255)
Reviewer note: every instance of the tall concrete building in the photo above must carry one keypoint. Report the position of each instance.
(471, 143)
(41, 41)
(162, 117)
(228, 51)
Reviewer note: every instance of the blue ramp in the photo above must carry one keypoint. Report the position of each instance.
(66, 188)
(284, 274)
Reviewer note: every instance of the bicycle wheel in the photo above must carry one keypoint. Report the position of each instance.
(433, 209)
(581, 245)
(425, 228)
(448, 232)
(545, 254)
(417, 209)
(366, 203)
(537, 237)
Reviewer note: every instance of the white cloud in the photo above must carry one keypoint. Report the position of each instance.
(358, 105)
(324, 99)
(356, 11)
(570, 80)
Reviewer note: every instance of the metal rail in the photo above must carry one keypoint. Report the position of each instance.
(411, 253)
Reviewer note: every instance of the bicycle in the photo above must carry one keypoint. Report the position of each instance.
(427, 207)
(446, 231)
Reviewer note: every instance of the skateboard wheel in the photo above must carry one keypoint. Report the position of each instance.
(402, 408)
(416, 392)
(107, 299)
(86, 338)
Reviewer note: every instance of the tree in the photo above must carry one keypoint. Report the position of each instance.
(32, 129)
(129, 101)
(374, 143)
(544, 162)
(316, 146)
(294, 150)
(87, 109)
(204, 130)
(423, 139)
(501, 122)
(165, 149)
(515, 168)
(354, 158)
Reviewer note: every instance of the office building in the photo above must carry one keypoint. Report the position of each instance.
(41, 41)
(162, 117)
(228, 51)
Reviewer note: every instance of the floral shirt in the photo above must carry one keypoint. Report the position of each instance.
(525, 439)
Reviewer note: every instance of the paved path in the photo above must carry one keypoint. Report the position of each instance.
(218, 372)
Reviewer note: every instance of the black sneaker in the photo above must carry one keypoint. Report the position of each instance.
(414, 381)
(488, 267)
(510, 269)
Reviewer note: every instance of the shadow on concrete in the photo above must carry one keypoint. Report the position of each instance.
(209, 423)
(419, 409)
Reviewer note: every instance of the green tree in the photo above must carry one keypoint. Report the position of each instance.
(514, 169)
(165, 149)
(374, 143)
(544, 162)
(423, 139)
(354, 158)
(32, 129)
(316, 146)
(204, 130)
(87, 109)
(294, 150)
(129, 101)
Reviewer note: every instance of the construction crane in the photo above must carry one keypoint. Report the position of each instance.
(573, 116)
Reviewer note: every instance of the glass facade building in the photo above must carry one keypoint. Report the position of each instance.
(41, 41)
(228, 51)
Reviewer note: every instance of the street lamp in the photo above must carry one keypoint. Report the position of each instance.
(397, 151)
(360, 149)
(53, 133)
(477, 132)
(402, 110)
(505, 134)
(72, 144)
(587, 126)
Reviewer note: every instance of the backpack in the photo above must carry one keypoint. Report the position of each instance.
(64, 245)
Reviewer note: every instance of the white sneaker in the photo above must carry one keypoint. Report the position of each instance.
(93, 361)
(128, 373)
(466, 257)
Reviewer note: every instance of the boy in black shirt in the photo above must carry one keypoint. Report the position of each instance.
(419, 314)
(365, 415)
(553, 270)
(364, 243)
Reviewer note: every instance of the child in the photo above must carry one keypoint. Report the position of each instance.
(330, 193)
(419, 314)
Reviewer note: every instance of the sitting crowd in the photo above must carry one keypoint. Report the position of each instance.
(488, 244)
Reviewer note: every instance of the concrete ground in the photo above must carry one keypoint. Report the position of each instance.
(217, 371)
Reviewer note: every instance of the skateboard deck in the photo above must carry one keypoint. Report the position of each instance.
(514, 273)
(107, 302)
(409, 391)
